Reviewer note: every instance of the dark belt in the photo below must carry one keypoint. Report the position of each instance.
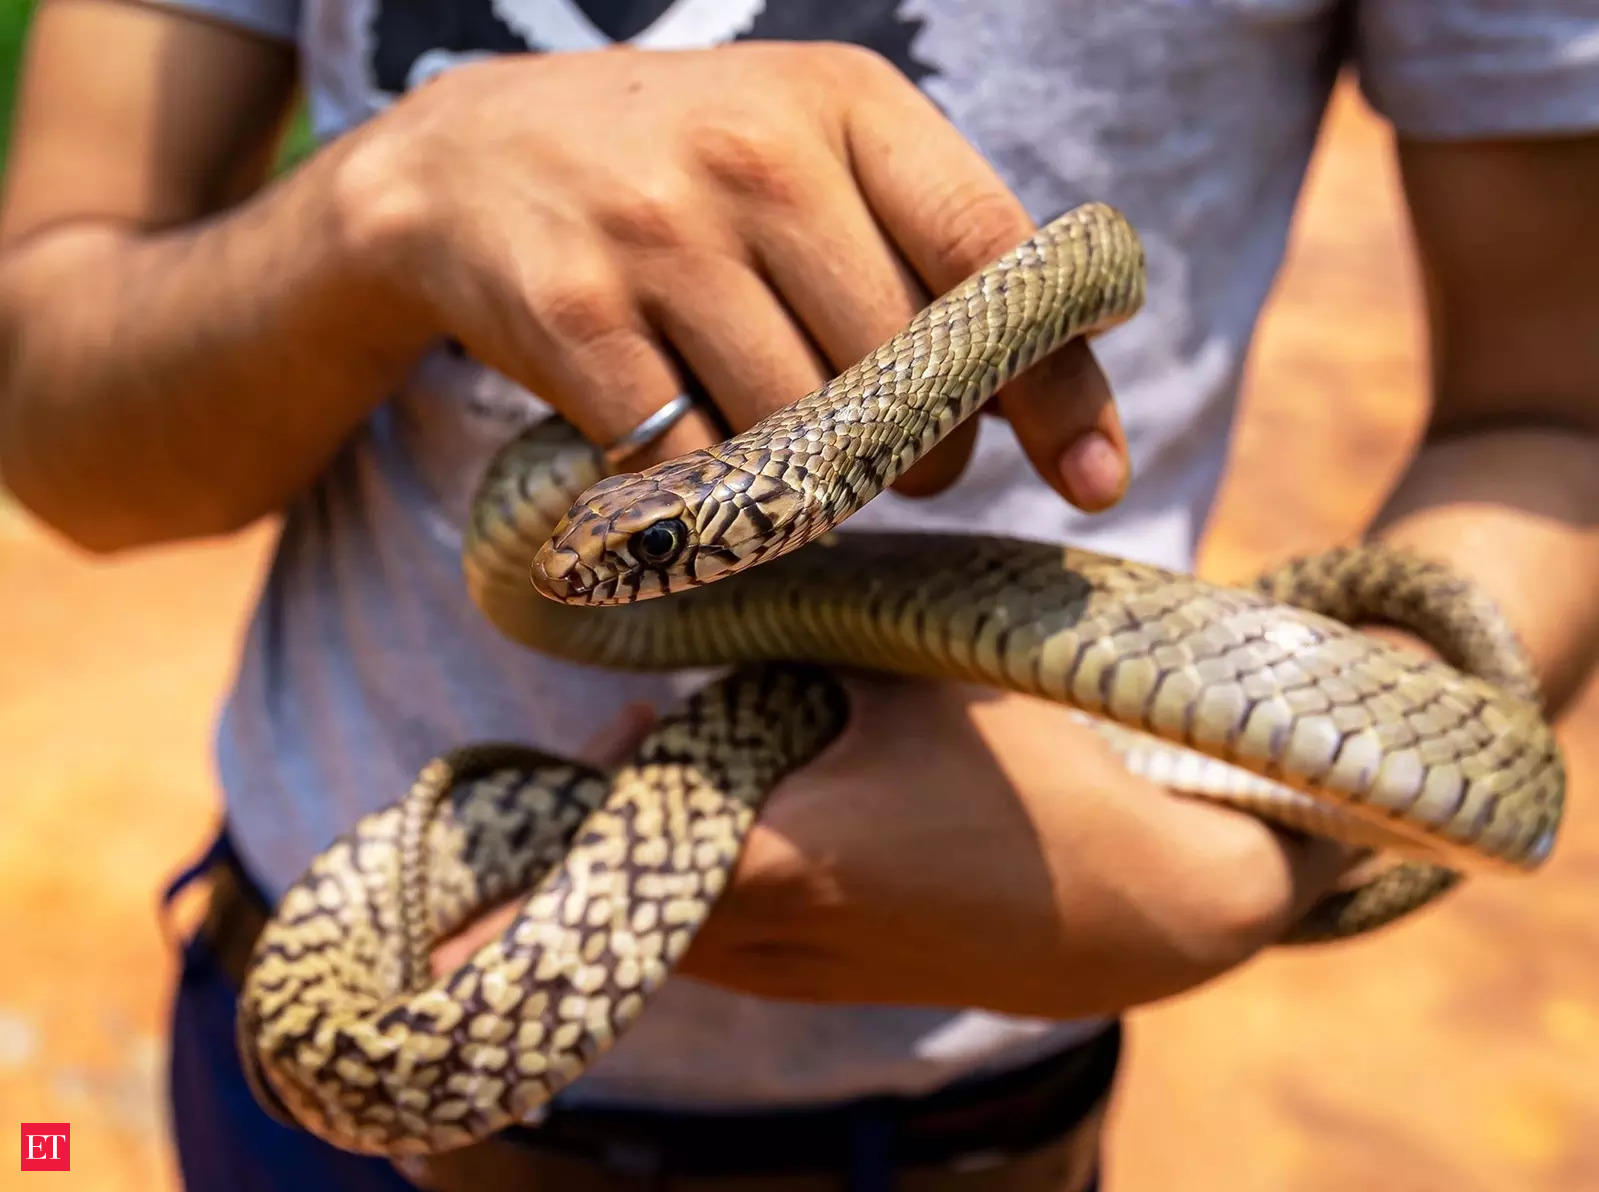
(1011, 1113)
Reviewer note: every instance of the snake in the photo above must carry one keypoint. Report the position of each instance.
(1266, 698)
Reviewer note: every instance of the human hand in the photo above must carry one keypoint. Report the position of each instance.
(965, 848)
(764, 213)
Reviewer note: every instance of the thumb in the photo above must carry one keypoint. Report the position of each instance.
(1065, 419)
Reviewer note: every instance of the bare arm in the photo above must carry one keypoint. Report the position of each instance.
(1506, 484)
(169, 371)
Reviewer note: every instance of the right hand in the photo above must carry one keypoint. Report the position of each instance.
(765, 213)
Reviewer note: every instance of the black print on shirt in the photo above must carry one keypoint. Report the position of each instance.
(406, 32)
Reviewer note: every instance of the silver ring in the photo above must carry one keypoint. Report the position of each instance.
(652, 428)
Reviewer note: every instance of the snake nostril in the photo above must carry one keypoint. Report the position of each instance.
(554, 563)
(556, 574)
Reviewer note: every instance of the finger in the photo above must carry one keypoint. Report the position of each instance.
(615, 740)
(941, 466)
(1065, 419)
(898, 141)
(450, 954)
(1316, 866)
(621, 381)
(578, 339)
(736, 336)
(849, 287)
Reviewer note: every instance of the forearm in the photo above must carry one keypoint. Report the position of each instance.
(161, 385)
(1516, 510)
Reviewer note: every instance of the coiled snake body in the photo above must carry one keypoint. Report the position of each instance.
(1223, 693)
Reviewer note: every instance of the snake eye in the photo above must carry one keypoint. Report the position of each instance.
(658, 545)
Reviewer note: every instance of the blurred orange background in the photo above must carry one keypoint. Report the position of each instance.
(1459, 1052)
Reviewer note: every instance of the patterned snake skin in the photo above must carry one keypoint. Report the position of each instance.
(1217, 692)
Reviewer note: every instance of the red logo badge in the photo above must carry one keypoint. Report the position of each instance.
(46, 1146)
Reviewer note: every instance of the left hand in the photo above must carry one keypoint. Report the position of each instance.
(962, 847)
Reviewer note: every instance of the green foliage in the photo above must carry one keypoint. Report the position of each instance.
(14, 16)
(297, 141)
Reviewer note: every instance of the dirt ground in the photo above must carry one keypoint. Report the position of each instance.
(1455, 1053)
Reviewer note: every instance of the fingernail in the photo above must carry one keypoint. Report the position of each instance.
(1092, 470)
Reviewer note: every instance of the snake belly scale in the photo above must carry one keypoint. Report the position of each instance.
(1264, 699)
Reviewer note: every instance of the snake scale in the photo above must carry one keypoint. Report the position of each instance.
(1264, 699)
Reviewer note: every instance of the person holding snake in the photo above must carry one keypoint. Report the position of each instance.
(669, 223)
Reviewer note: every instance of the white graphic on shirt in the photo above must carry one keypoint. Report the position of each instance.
(685, 25)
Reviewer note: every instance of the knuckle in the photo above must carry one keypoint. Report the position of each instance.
(804, 63)
(859, 63)
(583, 307)
(650, 217)
(378, 205)
(973, 225)
(753, 160)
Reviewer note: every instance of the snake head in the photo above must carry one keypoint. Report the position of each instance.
(677, 525)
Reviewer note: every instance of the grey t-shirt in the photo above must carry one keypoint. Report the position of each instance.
(1196, 117)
